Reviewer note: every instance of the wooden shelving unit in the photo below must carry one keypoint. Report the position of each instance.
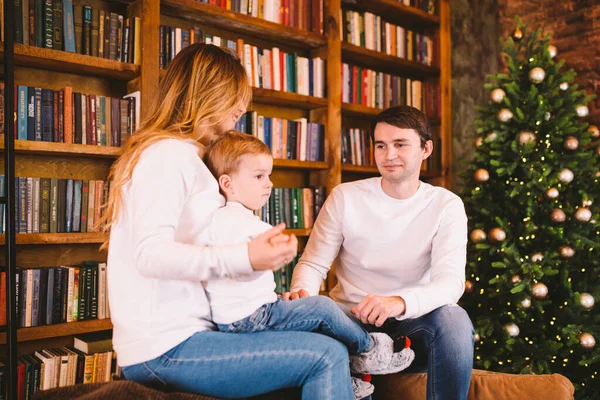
(58, 330)
(397, 13)
(63, 149)
(58, 238)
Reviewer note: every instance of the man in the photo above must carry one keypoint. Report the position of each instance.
(399, 247)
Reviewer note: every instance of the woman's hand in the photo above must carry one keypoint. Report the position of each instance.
(272, 249)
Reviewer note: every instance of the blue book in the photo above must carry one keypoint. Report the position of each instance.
(22, 113)
(68, 26)
(47, 115)
(267, 123)
(311, 78)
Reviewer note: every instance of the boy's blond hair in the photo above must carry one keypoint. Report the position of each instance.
(224, 154)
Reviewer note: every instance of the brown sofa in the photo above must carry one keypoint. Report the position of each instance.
(484, 386)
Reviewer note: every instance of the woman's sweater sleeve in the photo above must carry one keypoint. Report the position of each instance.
(160, 185)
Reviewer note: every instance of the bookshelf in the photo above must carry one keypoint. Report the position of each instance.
(55, 69)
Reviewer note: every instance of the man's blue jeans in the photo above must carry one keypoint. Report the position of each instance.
(241, 365)
(310, 314)
(443, 345)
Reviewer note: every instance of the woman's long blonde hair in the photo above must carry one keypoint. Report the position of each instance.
(203, 85)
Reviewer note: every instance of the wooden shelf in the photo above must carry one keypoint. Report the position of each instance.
(382, 62)
(62, 61)
(63, 149)
(361, 169)
(67, 329)
(299, 232)
(238, 23)
(295, 164)
(58, 238)
(396, 13)
(287, 99)
(358, 110)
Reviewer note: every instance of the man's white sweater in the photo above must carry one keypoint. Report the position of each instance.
(156, 263)
(414, 248)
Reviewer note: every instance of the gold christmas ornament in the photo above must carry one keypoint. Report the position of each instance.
(497, 235)
(566, 251)
(512, 329)
(571, 143)
(537, 75)
(587, 341)
(566, 175)
(526, 137)
(582, 111)
(537, 257)
(583, 214)
(564, 86)
(476, 337)
(497, 95)
(491, 136)
(517, 35)
(539, 291)
(478, 142)
(552, 50)
(526, 302)
(552, 193)
(477, 235)
(515, 279)
(587, 203)
(587, 301)
(594, 131)
(505, 115)
(558, 216)
(481, 175)
(598, 150)
(468, 286)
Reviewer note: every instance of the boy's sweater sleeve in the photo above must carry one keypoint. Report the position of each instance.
(160, 186)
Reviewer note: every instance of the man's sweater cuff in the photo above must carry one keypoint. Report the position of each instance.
(412, 305)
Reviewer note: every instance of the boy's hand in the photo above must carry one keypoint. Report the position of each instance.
(295, 295)
(272, 249)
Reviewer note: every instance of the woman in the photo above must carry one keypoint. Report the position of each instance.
(161, 200)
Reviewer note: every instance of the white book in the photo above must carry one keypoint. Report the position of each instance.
(102, 291)
(266, 64)
(303, 138)
(29, 298)
(276, 69)
(70, 294)
(401, 42)
(177, 40)
(248, 62)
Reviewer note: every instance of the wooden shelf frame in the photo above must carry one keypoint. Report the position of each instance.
(372, 170)
(63, 149)
(62, 61)
(206, 14)
(394, 12)
(58, 330)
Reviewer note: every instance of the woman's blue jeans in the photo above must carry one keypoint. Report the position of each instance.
(233, 365)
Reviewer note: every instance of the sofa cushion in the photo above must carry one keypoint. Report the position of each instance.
(485, 385)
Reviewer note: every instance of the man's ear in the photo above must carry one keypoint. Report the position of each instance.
(226, 184)
(428, 149)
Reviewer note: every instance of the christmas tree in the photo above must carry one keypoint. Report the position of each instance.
(533, 273)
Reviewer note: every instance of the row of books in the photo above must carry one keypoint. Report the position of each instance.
(302, 14)
(55, 295)
(283, 276)
(64, 366)
(429, 6)
(370, 31)
(51, 205)
(380, 90)
(59, 25)
(297, 207)
(357, 147)
(64, 116)
(266, 68)
(287, 139)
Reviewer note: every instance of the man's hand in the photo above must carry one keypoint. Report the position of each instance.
(295, 295)
(376, 309)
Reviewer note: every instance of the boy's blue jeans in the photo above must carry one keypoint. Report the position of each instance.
(242, 365)
(310, 314)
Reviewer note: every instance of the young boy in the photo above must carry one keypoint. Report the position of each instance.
(242, 165)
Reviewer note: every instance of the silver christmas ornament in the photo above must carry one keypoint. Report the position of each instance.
(552, 193)
(587, 341)
(566, 175)
(497, 95)
(582, 111)
(537, 75)
(564, 86)
(505, 115)
(571, 143)
(537, 257)
(477, 235)
(526, 302)
(492, 136)
(512, 329)
(497, 235)
(476, 337)
(587, 203)
(539, 291)
(566, 251)
(586, 300)
(583, 214)
(526, 137)
(552, 50)
(547, 116)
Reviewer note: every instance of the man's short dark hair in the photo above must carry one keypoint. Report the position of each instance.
(404, 117)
